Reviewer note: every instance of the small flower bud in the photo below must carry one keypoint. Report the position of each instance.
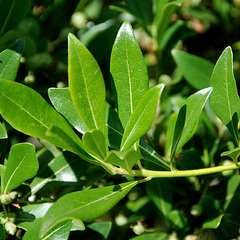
(10, 228)
(5, 199)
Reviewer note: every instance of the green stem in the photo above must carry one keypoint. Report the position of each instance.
(182, 173)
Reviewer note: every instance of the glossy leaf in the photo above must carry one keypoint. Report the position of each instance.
(66, 167)
(96, 141)
(141, 119)
(125, 160)
(188, 118)
(86, 85)
(12, 12)
(22, 165)
(10, 60)
(29, 113)
(62, 101)
(129, 72)
(224, 98)
(28, 213)
(196, 70)
(61, 231)
(85, 205)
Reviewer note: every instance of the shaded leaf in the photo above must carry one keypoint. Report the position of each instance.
(10, 60)
(85, 205)
(188, 118)
(152, 236)
(166, 13)
(96, 141)
(129, 72)
(224, 98)
(142, 117)
(12, 11)
(196, 70)
(234, 154)
(62, 101)
(86, 85)
(2, 232)
(3, 131)
(22, 165)
(156, 190)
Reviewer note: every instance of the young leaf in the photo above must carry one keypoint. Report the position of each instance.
(129, 72)
(96, 141)
(86, 85)
(224, 98)
(62, 101)
(10, 60)
(86, 205)
(29, 113)
(187, 119)
(197, 71)
(141, 119)
(166, 13)
(103, 228)
(22, 165)
(234, 154)
(125, 160)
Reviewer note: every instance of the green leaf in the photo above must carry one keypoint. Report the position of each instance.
(129, 72)
(177, 219)
(22, 165)
(77, 147)
(62, 101)
(28, 112)
(3, 131)
(101, 227)
(2, 232)
(142, 117)
(10, 60)
(233, 154)
(86, 205)
(66, 167)
(156, 190)
(188, 118)
(196, 70)
(86, 85)
(152, 236)
(96, 141)
(213, 223)
(224, 98)
(12, 11)
(125, 160)
(165, 17)
(61, 231)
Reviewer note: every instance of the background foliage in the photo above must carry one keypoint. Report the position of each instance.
(181, 41)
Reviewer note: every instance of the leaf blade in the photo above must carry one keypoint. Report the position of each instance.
(22, 165)
(86, 85)
(141, 119)
(225, 93)
(85, 205)
(129, 72)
